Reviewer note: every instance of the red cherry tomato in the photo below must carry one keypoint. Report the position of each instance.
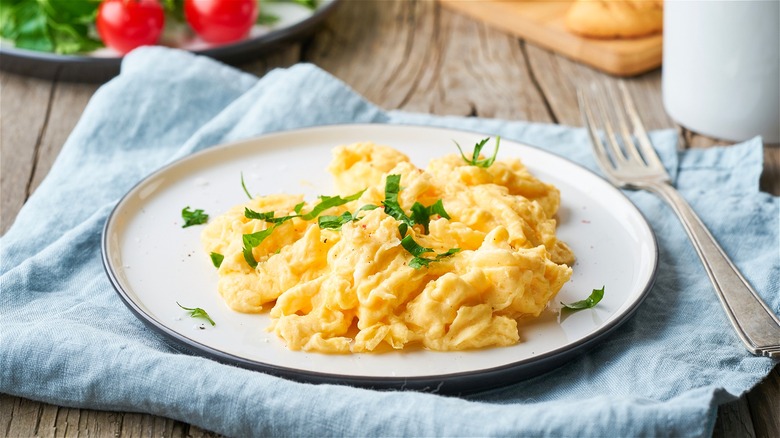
(221, 21)
(124, 25)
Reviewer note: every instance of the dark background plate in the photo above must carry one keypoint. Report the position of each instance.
(85, 68)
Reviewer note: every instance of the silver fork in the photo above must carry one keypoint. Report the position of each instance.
(635, 166)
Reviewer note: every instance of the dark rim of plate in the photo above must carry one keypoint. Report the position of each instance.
(84, 68)
(454, 383)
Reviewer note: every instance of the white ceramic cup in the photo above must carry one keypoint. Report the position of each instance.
(721, 67)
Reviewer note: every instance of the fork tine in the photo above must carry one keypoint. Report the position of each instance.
(599, 150)
(651, 156)
(617, 152)
(625, 132)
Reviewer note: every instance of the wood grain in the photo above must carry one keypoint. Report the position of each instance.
(734, 420)
(543, 23)
(764, 403)
(432, 59)
(24, 110)
(66, 100)
(559, 78)
(400, 54)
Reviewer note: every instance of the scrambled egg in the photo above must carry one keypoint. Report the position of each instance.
(356, 289)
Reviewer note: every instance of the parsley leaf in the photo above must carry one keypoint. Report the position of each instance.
(251, 214)
(422, 215)
(418, 250)
(311, 4)
(251, 241)
(243, 186)
(475, 161)
(392, 207)
(216, 259)
(367, 207)
(191, 218)
(335, 222)
(413, 247)
(587, 303)
(266, 19)
(327, 202)
(197, 312)
(438, 208)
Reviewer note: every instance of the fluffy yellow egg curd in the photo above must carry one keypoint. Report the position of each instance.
(387, 280)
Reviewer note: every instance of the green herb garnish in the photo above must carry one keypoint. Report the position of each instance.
(254, 239)
(68, 26)
(475, 161)
(418, 250)
(422, 214)
(336, 222)
(243, 186)
(327, 202)
(191, 218)
(587, 303)
(392, 207)
(216, 259)
(251, 214)
(311, 4)
(251, 241)
(266, 19)
(197, 312)
(59, 26)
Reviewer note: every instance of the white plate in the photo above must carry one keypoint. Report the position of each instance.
(153, 262)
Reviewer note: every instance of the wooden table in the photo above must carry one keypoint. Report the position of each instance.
(400, 54)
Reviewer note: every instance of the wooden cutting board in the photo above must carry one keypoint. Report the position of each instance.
(542, 22)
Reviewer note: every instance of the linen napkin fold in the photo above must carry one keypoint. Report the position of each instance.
(66, 337)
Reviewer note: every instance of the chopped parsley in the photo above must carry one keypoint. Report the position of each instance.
(392, 207)
(587, 303)
(326, 202)
(216, 259)
(243, 186)
(197, 312)
(336, 222)
(475, 161)
(418, 250)
(251, 241)
(421, 215)
(191, 218)
(251, 214)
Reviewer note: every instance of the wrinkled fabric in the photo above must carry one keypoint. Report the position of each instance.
(68, 339)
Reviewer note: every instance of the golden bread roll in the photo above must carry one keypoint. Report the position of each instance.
(615, 18)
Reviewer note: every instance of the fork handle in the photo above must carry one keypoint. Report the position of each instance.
(754, 322)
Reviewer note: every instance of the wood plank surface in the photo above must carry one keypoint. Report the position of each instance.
(400, 54)
(544, 23)
(24, 110)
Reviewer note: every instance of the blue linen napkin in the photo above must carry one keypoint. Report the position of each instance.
(67, 338)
